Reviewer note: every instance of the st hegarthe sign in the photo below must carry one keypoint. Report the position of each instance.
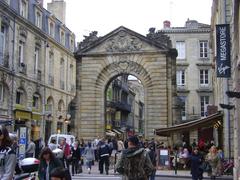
(223, 51)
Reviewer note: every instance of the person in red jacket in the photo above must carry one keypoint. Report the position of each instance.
(67, 152)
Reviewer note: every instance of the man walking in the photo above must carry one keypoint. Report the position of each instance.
(134, 163)
(104, 153)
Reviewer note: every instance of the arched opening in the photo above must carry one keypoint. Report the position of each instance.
(124, 106)
(61, 116)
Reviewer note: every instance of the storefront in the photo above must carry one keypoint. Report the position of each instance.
(205, 128)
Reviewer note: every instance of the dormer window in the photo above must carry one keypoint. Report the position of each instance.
(62, 38)
(23, 8)
(38, 19)
(51, 29)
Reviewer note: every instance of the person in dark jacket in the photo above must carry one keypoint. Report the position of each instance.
(196, 161)
(48, 162)
(75, 157)
(104, 153)
(152, 156)
(134, 163)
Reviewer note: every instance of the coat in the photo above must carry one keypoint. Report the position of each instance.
(42, 171)
(89, 154)
(215, 163)
(133, 155)
(196, 161)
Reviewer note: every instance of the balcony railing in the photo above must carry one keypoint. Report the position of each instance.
(119, 105)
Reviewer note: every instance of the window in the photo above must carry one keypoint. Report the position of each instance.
(204, 77)
(23, 8)
(62, 38)
(51, 29)
(35, 101)
(203, 49)
(204, 102)
(38, 20)
(50, 68)
(71, 74)
(1, 92)
(180, 46)
(181, 78)
(19, 97)
(36, 60)
(62, 72)
(20, 52)
(2, 43)
(183, 107)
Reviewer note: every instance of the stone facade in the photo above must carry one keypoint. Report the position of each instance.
(124, 51)
(227, 12)
(194, 72)
(30, 96)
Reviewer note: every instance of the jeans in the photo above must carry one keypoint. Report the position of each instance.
(75, 164)
(104, 160)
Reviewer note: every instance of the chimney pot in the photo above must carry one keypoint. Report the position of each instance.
(166, 24)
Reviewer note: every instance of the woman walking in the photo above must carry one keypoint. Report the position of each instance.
(7, 155)
(75, 158)
(89, 156)
(48, 162)
(196, 161)
(213, 159)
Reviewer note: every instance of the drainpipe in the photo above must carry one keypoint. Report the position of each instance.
(13, 71)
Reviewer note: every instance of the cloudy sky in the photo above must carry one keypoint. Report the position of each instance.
(84, 16)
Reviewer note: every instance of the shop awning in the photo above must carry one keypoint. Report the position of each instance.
(191, 125)
(110, 133)
(116, 131)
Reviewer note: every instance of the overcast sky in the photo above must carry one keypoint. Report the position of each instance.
(84, 16)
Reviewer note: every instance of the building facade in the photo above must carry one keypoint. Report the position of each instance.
(37, 68)
(193, 75)
(227, 89)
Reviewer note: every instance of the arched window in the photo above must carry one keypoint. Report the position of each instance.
(60, 105)
(36, 103)
(49, 106)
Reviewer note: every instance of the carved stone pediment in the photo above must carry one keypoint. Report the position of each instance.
(123, 42)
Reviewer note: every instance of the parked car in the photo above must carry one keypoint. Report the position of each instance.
(70, 139)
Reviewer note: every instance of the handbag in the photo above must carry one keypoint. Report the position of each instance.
(206, 167)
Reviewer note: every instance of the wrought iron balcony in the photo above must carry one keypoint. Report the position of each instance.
(119, 105)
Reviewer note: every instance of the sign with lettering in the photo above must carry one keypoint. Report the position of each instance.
(223, 51)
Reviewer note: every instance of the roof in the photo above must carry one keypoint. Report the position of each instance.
(191, 125)
(116, 31)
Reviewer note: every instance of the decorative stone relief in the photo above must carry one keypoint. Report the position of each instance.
(128, 67)
(23, 31)
(123, 43)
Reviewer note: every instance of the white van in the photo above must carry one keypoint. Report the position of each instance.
(70, 139)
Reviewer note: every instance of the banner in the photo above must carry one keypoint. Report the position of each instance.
(223, 51)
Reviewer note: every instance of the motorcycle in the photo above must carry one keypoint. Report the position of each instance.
(29, 168)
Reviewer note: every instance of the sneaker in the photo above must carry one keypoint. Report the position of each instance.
(89, 170)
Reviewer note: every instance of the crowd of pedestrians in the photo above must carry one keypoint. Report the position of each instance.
(133, 158)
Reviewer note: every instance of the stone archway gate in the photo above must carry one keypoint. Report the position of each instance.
(123, 51)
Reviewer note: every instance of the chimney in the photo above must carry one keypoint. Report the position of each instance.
(166, 24)
(58, 8)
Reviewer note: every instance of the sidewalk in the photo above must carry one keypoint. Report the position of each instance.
(160, 173)
(185, 174)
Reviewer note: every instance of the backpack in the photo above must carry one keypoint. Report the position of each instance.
(134, 167)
